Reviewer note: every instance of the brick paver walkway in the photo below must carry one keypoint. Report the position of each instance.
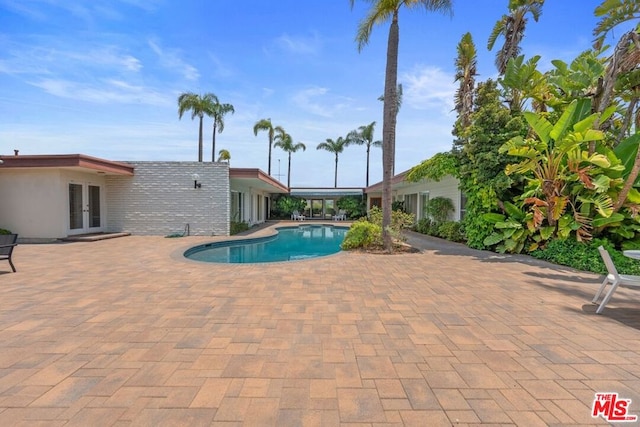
(124, 332)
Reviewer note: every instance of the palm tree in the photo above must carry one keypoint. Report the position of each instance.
(399, 93)
(224, 156)
(265, 124)
(335, 147)
(624, 60)
(381, 11)
(199, 106)
(364, 136)
(465, 75)
(217, 112)
(512, 27)
(284, 141)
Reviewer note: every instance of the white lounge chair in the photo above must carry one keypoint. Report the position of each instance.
(296, 216)
(614, 278)
(340, 216)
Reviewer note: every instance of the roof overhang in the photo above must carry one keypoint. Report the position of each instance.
(396, 182)
(255, 178)
(324, 192)
(79, 162)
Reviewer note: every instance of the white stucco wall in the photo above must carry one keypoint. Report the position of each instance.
(35, 201)
(446, 187)
(160, 199)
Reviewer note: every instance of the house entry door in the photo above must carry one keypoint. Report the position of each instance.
(84, 208)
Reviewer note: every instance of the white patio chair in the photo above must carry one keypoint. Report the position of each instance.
(340, 216)
(614, 278)
(296, 216)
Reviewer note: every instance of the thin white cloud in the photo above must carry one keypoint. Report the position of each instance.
(32, 57)
(306, 100)
(299, 45)
(220, 69)
(170, 58)
(103, 92)
(428, 87)
(88, 11)
(318, 101)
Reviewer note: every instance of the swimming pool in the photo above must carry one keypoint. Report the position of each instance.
(289, 244)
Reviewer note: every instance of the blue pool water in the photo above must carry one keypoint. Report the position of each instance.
(291, 243)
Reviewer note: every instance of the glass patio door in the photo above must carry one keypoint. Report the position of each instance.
(316, 208)
(84, 208)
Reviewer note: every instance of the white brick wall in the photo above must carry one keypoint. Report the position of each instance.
(160, 199)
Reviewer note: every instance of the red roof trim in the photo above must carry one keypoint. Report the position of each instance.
(66, 160)
(253, 173)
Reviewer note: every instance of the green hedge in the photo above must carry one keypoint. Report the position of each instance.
(585, 256)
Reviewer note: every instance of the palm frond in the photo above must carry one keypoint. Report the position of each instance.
(613, 13)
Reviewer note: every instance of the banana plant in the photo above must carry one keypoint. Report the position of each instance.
(567, 191)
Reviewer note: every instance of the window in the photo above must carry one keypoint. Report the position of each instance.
(463, 205)
(424, 204)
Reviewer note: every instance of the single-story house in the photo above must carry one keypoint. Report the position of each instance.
(416, 195)
(48, 197)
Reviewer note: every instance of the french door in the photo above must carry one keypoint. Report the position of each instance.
(85, 214)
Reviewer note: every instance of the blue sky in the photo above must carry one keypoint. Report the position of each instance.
(102, 77)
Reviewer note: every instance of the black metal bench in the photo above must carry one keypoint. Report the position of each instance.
(7, 243)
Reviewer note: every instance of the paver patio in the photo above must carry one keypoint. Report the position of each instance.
(124, 332)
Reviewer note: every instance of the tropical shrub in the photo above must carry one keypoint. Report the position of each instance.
(4, 231)
(362, 234)
(584, 256)
(481, 165)
(568, 192)
(397, 205)
(439, 209)
(284, 205)
(399, 221)
(236, 227)
(426, 226)
(354, 206)
(451, 230)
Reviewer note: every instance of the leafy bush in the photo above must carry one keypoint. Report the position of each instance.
(426, 226)
(439, 209)
(362, 234)
(355, 206)
(238, 227)
(397, 205)
(283, 206)
(451, 230)
(5, 231)
(585, 256)
(399, 221)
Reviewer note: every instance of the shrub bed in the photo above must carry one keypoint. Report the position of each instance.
(585, 256)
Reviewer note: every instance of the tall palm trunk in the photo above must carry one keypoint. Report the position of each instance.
(368, 149)
(335, 175)
(200, 147)
(389, 128)
(213, 142)
(270, 144)
(288, 172)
